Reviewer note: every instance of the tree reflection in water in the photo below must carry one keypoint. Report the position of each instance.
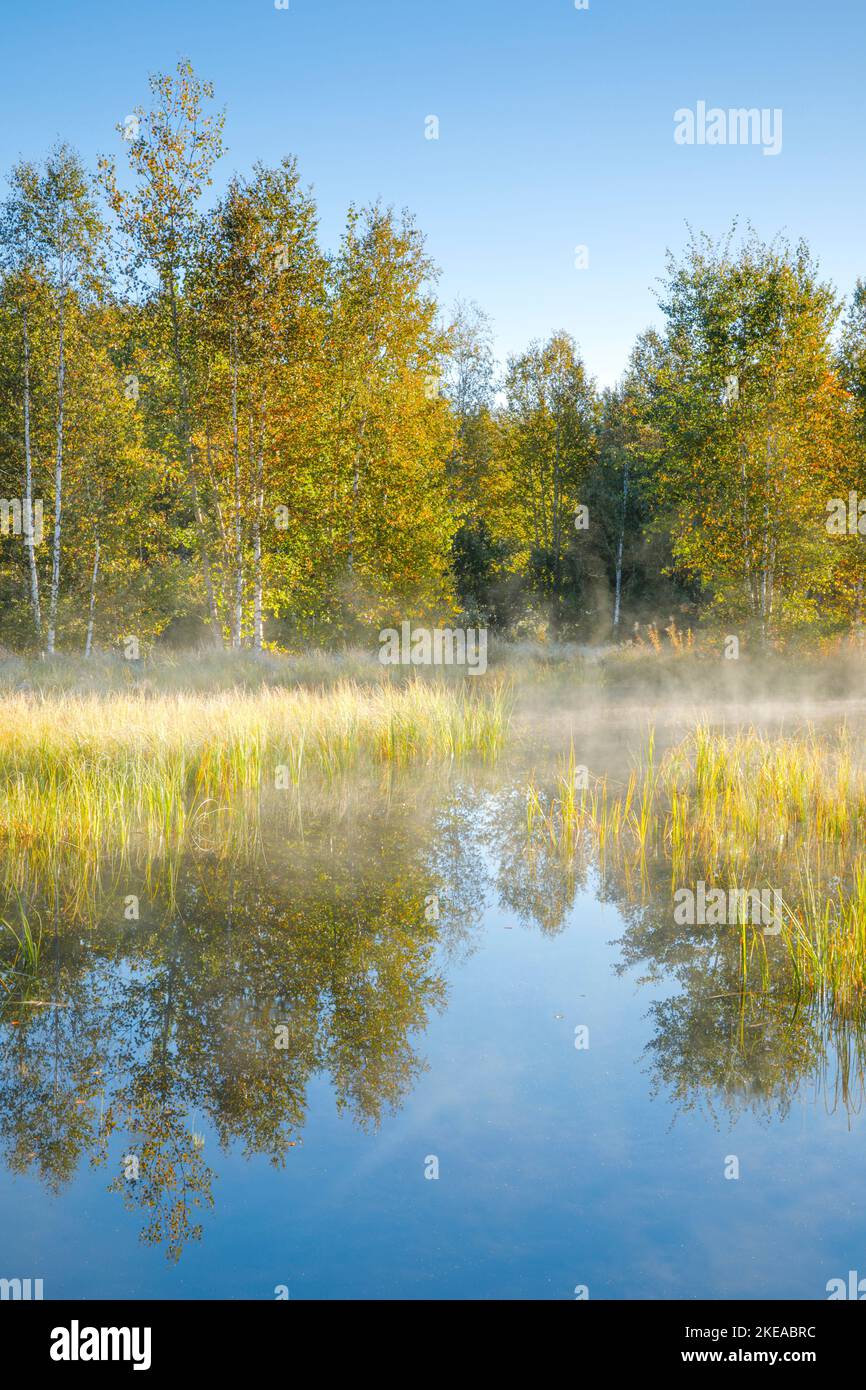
(312, 953)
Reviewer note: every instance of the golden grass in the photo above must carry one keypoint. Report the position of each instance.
(103, 772)
(746, 810)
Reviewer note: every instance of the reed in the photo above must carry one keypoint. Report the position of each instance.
(96, 775)
(746, 810)
(20, 968)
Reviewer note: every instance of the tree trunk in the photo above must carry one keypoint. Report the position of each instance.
(88, 645)
(257, 545)
(29, 540)
(189, 451)
(619, 549)
(237, 611)
(205, 562)
(356, 488)
(225, 547)
(58, 477)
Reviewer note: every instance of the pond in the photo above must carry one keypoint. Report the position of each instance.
(394, 1047)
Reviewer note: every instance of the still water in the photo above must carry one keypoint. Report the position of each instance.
(343, 1065)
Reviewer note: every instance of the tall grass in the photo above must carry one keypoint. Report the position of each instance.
(716, 796)
(19, 969)
(745, 810)
(92, 773)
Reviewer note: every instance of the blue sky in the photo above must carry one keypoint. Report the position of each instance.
(556, 128)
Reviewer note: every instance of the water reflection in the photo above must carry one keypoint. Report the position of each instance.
(315, 953)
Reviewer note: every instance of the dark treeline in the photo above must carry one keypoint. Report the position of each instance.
(212, 428)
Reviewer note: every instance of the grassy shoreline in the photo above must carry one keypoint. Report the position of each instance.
(87, 771)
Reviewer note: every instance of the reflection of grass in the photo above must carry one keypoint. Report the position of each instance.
(743, 810)
(23, 970)
(825, 940)
(89, 773)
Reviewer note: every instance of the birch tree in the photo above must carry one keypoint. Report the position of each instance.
(20, 249)
(548, 442)
(755, 426)
(172, 149)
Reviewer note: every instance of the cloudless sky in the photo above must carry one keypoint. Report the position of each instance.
(556, 128)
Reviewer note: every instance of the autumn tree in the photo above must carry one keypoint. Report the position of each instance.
(548, 443)
(172, 149)
(755, 430)
(480, 548)
(388, 433)
(23, 279)
(851, 567)
(258, 291)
